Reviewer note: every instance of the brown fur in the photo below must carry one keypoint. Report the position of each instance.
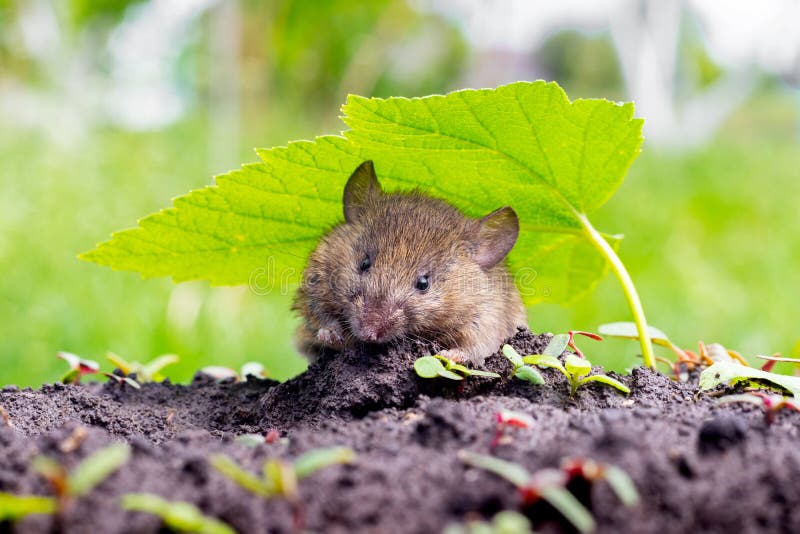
(471, 305)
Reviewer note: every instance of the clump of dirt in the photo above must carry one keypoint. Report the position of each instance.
(698, 467)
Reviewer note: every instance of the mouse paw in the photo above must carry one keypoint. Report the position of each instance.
(330, 336)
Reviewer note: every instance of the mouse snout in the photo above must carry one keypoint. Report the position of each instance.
(380, 322)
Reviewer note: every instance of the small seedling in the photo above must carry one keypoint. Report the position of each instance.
(733, 373)
(145, 372)
(505, 522)
(177, 515)
(280, 478)
(576, 369)
(551, 484)
(522, 371)
(441, 366)
(77, 367)
(86, 475)
(770, 404)
(123, 380)
(221, 374)
(67, 487)
(507, 419)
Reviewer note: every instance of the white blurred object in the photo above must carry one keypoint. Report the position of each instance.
(742, 37)
(144, 49)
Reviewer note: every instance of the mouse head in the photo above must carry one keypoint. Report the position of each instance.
(409, 265)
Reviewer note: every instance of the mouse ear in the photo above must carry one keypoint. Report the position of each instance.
(361, 185)
(497, 234)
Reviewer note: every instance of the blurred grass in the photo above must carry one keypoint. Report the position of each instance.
(712, 243)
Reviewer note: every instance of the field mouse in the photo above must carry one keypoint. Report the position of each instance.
(404, 265)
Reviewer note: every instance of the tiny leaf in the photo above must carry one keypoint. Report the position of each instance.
(546, 360)
(733, 373)
(577, 366)
(570, 507)
(513, 356)
(255, 369)
(97, 467)
(444, 373)
(177, 515)
(247, 480)
(313, 461)
(557, 345)
(529, 374)
(517, 475)
(485, 374)
(14, 507)
(151, 371)
(605, 379)
(428, 367)
(622, 485)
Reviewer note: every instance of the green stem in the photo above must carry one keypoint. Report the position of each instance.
(627, 287)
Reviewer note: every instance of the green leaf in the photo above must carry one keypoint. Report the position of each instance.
(97, 467)
(577, 366)
(151, 371)
(733, 373)
(557, 345)
(523, 144)
(545, 360)
(315, 460)
(485, 374)
(243, 478)
(570, 507)
(517, 475)
(428, 367)
(529, 374)
(513, 356)
(177, 515)
(14, 507)
(444, 373)
(607, 380)
(628, 330)
(622, 485)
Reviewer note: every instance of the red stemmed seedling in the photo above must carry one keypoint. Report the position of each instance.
(77, 367)
(507, 419)
(280, 478)
(550, 484)
(771, 404)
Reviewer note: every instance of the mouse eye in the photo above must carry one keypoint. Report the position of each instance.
(366, 263)
(423, 283)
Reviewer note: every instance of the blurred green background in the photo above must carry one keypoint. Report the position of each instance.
(110, 109)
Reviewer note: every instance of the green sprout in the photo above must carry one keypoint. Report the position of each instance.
(576, 369)
(145, 372)
(550, 485)
(177, 515)
(66, 486)
(77, 367)
(522, 371)
(440, 366)
(280, 478)
(220, 373)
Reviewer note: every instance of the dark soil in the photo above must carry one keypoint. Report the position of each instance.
(698, 467)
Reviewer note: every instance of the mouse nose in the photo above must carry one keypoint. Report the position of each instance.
(379, 324)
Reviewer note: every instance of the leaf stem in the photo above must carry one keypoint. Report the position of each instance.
(627, 287)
